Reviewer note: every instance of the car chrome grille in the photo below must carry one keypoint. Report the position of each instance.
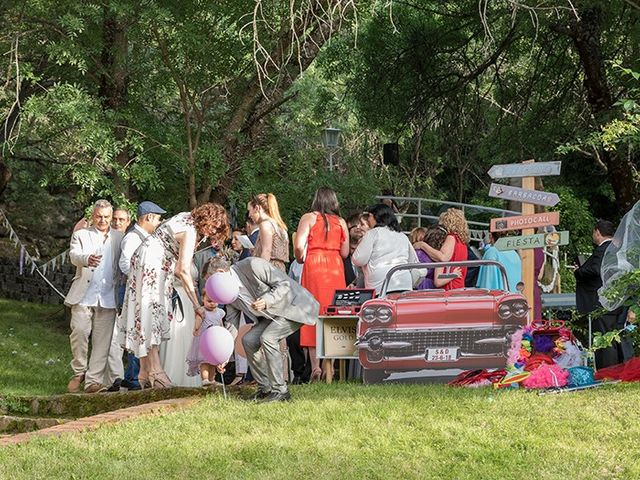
(469, 341)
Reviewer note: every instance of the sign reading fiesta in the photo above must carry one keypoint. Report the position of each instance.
(539, 240)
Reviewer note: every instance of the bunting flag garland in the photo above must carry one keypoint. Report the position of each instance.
(57, 261)
(27, 259)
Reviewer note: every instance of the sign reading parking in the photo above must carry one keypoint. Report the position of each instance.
(536, 169)
(525, 221)
(539, 240)
(517, 194)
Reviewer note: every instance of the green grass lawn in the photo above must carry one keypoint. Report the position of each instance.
(338, 431)
(34, 349)
(352, 431)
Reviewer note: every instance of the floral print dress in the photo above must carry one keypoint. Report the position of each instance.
(147, 310)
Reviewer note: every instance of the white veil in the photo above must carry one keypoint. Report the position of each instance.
(621, 257)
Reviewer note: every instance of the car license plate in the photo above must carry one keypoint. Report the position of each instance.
(444, 354)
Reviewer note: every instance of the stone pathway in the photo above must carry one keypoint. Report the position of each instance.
(95, 421)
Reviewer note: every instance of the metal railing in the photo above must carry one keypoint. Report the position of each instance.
(476, 233)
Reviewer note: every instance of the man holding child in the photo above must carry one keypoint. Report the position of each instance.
(279, 306)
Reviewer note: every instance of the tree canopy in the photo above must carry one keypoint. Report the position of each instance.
(186, 102)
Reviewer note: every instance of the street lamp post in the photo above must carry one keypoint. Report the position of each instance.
(330, 140)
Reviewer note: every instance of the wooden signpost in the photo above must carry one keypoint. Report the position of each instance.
(529, 197)
(525, 221)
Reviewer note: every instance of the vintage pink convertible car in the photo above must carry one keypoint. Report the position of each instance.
(467, 328)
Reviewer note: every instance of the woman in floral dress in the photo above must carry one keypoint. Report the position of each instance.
(147, 310)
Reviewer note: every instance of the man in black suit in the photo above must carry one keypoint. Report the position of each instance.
(588, 281)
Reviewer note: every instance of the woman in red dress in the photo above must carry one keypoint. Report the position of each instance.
(454, 248)
(321, 244)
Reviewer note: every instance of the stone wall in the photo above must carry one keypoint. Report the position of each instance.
(32, 288)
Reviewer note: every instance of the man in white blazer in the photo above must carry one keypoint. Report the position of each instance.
(95, 252)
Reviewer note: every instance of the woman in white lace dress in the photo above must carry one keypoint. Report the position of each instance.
(166, 254)
(174, 351)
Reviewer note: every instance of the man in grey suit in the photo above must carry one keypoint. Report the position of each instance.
(95, 252)
(279, 306)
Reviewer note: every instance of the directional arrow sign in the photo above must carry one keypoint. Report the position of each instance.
(533, 169)
(518, 194)
(539, 240)
(525, 221)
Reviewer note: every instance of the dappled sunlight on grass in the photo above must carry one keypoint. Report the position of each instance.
(338, 431)
(355, 431)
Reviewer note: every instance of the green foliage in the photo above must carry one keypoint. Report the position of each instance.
(576, 217)
(294, 177)
(459, 89)
(13, 405)
(618, 133)
(70, 125)
(605, 340)
(626, 286)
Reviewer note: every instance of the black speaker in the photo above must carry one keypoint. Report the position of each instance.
(391, 154)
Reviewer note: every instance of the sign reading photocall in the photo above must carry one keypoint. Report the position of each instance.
(539, 240)
(525, 221)
(535, 169)
(507, 192)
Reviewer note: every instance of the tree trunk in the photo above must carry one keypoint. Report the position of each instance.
(114, 85)
(585, 34)
(5, 176)
(7, 127)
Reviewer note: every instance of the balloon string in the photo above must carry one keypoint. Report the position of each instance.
(224, 390)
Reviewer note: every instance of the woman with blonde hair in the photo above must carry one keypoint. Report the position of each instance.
(273, 240)
(454, 248)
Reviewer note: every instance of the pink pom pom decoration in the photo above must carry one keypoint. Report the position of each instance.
(547, 376)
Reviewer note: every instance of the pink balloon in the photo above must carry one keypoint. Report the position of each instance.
(222, 287)
(216, 345)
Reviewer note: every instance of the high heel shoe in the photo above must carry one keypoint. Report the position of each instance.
(160, 380)
(144, 382)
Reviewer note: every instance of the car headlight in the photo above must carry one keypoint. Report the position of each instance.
(520, 309)
(369, 314)
(375, 313)
(384, 314)
(504, 311)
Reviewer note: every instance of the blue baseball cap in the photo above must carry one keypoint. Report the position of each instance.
(149, 207)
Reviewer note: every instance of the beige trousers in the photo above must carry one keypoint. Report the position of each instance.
(105, 364)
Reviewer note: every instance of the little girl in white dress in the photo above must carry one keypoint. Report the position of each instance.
(196, 363)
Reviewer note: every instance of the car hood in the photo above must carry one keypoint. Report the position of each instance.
(462, 294)
(438, 308)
